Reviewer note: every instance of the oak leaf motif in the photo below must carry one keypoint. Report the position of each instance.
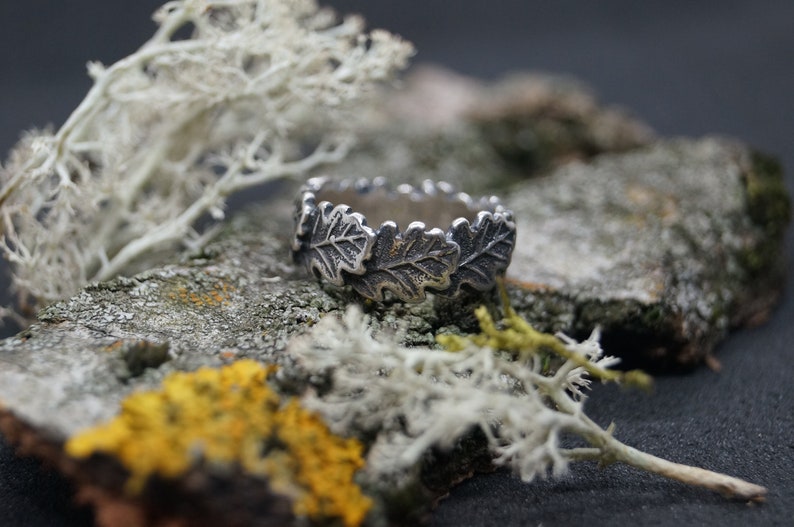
(485, 250)
(407, 263)
(340, 242)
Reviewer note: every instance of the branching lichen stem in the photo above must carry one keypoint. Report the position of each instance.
(166, 134)
(607, 450)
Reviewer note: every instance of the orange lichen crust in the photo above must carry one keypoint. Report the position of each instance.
(230, 415)
(219, 294)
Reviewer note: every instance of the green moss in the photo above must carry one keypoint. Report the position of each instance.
(769, 207)
(768, 201)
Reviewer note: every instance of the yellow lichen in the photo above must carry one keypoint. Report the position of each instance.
(517, 336)
(230, 415)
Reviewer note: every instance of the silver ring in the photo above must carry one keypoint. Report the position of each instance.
(334, 241)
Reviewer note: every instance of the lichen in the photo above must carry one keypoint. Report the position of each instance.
(517, 336)
(219, 294)
(231, 416)
(249, 93)
(503, 385)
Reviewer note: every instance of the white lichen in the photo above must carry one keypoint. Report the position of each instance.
(413, 399)
(257, 91)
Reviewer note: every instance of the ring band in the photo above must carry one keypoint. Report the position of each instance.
(335, 243)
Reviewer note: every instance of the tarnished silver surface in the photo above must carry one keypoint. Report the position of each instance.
(451, 241)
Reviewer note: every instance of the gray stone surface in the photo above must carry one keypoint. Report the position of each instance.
(666, 247)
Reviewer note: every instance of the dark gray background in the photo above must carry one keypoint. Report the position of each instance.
(686, 68)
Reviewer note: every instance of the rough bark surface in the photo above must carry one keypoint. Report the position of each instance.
(666, 246)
